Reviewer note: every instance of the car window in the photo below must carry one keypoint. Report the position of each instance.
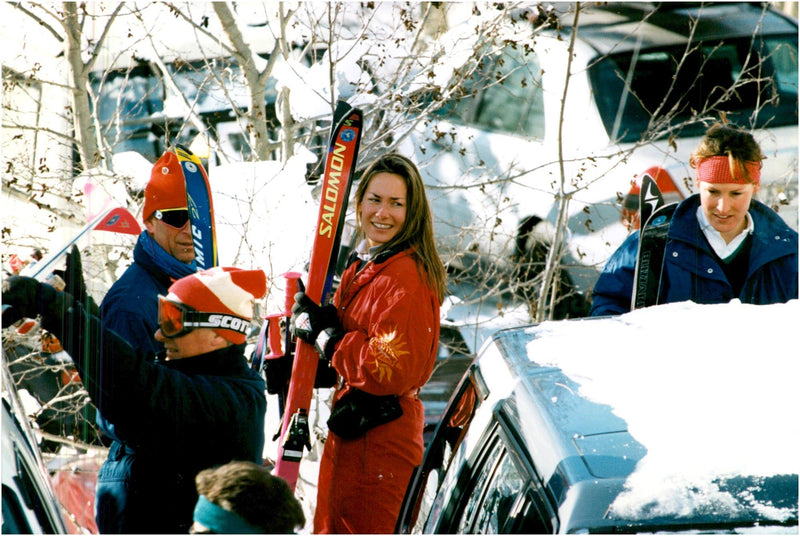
(503, 492)
(14, 521)
(129, 100)
(514, 103)
(783, 56)
(753, 81)
(503, 499)
(503, 94)
(482, 502)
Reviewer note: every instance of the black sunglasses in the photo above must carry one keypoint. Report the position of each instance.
(174, 217)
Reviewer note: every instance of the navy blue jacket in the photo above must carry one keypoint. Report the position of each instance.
(131, 305)
(691, 271)
(173, 419)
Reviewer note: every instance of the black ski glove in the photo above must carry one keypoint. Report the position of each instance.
(310, 319)
(25, 297)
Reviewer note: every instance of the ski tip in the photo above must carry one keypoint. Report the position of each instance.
(119, 220)
(183, 148)
(342, 108)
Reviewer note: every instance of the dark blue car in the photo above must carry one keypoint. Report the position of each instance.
(666, 419)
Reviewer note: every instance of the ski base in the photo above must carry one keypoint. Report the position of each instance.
(201, 208)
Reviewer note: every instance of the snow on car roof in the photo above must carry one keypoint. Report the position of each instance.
(709, 390)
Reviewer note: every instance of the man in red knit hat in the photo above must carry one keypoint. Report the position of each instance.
(200, 407)
(163, 253)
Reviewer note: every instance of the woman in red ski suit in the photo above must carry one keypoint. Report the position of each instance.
(382, 341)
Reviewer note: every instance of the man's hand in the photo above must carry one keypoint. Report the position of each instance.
(25, 297)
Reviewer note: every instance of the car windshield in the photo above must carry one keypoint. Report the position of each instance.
(753, 81)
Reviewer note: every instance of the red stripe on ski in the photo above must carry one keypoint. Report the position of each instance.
(114, 219)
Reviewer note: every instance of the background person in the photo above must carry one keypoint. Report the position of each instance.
(244, 498)
(722, 244)
(198, 407)
(381, 335)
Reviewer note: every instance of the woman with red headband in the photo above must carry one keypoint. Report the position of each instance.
(722, 243)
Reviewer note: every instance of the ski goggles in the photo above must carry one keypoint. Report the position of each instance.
(174, 217)
(176, 320)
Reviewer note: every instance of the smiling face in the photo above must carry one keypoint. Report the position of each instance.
(175, 241)
(383, 208)
(725, 206)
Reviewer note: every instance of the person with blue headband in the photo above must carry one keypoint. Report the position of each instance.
(244, 498)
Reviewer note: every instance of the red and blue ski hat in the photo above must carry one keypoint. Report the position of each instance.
(167, 186)
(226, 291)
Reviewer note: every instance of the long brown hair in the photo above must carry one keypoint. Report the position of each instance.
(417, 230)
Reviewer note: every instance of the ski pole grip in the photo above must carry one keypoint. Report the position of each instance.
(291, 289)
(274, 332)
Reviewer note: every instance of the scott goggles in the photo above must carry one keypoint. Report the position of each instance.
(174, 217)
(176, 319)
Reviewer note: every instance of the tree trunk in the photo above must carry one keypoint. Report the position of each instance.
(81, 111)
(256, 82)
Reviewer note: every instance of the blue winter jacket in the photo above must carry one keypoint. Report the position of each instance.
(130, 308)
(173, 419)
(691, 271)
(131, 305)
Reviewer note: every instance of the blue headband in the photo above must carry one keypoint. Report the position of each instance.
(221, 521)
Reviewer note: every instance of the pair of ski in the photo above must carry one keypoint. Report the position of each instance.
(654, 221)
(295, 390)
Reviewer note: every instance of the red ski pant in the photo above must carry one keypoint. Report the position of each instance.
(362, 481)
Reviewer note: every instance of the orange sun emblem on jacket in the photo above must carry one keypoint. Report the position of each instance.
(387, 349)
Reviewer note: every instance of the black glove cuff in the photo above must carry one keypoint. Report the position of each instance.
(326, 341)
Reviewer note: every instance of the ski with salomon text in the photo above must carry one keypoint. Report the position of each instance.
(340, 165)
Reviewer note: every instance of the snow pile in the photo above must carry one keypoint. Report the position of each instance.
(709, 390)
(265, 214)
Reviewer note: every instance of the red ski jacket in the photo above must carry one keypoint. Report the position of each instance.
(391, 320)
